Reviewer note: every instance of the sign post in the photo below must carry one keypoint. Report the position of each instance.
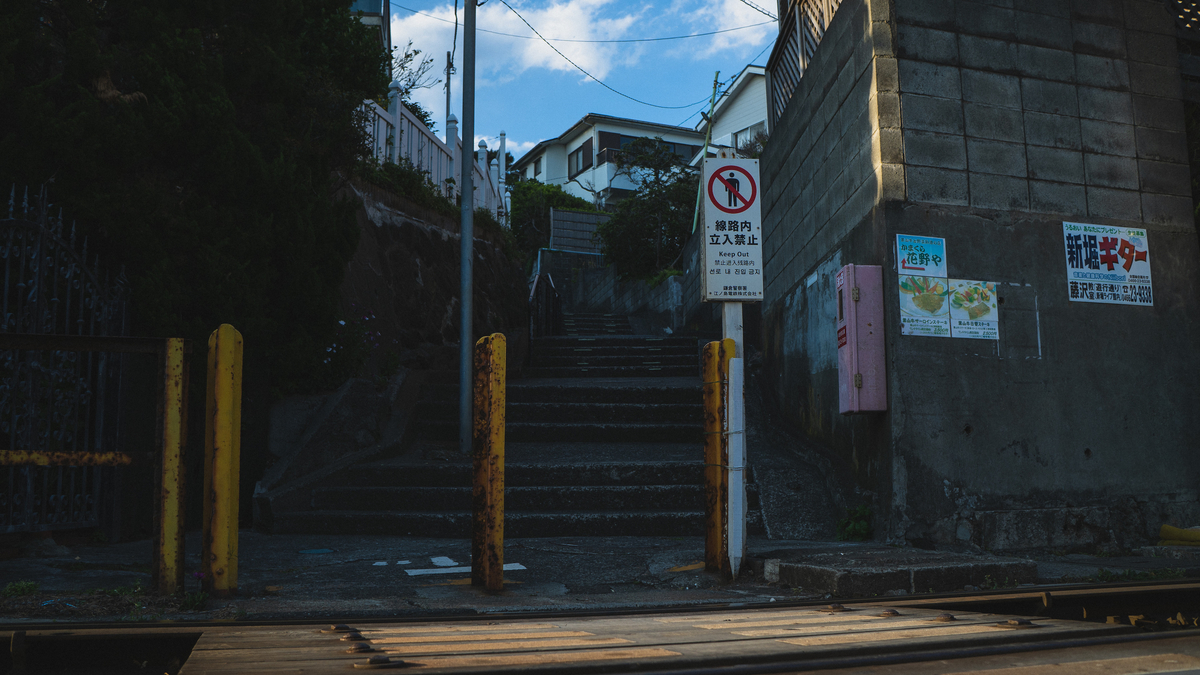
(733, 275)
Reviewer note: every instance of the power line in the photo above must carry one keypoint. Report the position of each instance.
(530, 37)
(593, 77)
(760, 10)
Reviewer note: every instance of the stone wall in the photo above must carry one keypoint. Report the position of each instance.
(1002, 120)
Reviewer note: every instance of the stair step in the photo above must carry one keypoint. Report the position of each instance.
(592, 361)
(609, 413)
(575, 342)
(383, 474)
(572, 498)
(457, 524)
(445, 394)
(605, 432)
(615, 371)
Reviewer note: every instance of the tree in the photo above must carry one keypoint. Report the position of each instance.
(411, 71)
(530, 216)
(753, 147)
(649, 228)
(198, 145)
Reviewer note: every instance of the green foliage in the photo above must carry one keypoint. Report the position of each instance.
(662, 276)
(990, 584)
(198, 146)
(17, 589)
(856, 526)
(408, 181)
(530, 216)
(421, 113)
(754, 146)
(194, 601)
(648, 229)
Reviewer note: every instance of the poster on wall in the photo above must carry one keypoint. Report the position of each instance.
(1107, 264)
(921, 264)
(932, 304)
(973, 311)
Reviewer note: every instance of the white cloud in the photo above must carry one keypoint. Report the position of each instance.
(724, 14)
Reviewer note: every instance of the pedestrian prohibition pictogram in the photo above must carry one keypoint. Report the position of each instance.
(736, 188)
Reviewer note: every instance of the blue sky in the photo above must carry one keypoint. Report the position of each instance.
(524, 88)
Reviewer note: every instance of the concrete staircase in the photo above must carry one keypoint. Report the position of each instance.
(604, 438)
(583, 323)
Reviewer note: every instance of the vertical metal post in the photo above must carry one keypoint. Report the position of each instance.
(467, 230)
(487, 536)
(222, 460)
(736, 475)
(168, 568)
(449, 72)
(716, 369)
(735, 492)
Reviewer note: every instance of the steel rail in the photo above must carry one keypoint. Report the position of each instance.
(957, 600)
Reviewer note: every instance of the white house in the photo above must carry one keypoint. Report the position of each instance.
(740, 114)
(581, 159)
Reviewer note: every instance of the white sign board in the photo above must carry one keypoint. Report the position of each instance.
(1108, 264)
(732, 231)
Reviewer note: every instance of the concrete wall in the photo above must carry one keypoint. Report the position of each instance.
(991, 125)
(675, 303)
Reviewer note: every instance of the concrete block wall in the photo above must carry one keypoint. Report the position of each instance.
(836, 151)
(992, 122)
(1044, 106)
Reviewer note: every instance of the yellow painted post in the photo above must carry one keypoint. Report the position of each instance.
(716, 453)
(222, 460)
(487, 536)
(168, 570)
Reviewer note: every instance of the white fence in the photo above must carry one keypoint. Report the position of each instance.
(428, 153)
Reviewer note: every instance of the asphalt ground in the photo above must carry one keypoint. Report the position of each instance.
(324, 577)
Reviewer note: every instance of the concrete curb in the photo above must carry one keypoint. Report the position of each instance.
(868, 581)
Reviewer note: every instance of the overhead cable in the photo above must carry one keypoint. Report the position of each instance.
(531, 37)
(593, 77)
(758, 9)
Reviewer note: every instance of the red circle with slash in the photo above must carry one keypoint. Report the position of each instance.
(746, 202)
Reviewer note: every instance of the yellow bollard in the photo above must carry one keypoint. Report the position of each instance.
(487, 536)
(716, 453)
(168, 567)
(222, 460)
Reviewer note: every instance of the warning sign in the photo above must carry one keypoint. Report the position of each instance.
(732, 231)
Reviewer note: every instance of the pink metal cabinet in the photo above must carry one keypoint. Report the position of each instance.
(862, 381)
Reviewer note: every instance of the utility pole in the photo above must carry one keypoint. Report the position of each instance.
(466, 351)
(449, 72)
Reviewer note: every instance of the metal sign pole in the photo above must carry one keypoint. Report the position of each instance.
(466, 341)
(735, 507)
(733, 275)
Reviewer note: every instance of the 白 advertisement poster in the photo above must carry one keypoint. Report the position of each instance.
(1107, 264)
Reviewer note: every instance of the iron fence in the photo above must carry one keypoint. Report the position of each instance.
(53, 401)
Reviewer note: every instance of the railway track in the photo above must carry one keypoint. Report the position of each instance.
(1111, 629)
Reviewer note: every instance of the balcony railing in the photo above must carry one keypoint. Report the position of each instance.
(800, 33)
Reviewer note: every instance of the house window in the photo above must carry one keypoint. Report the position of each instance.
(580, 159)
(537, 167)
(747, 135)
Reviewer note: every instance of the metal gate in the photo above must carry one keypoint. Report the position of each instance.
(55, 401)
